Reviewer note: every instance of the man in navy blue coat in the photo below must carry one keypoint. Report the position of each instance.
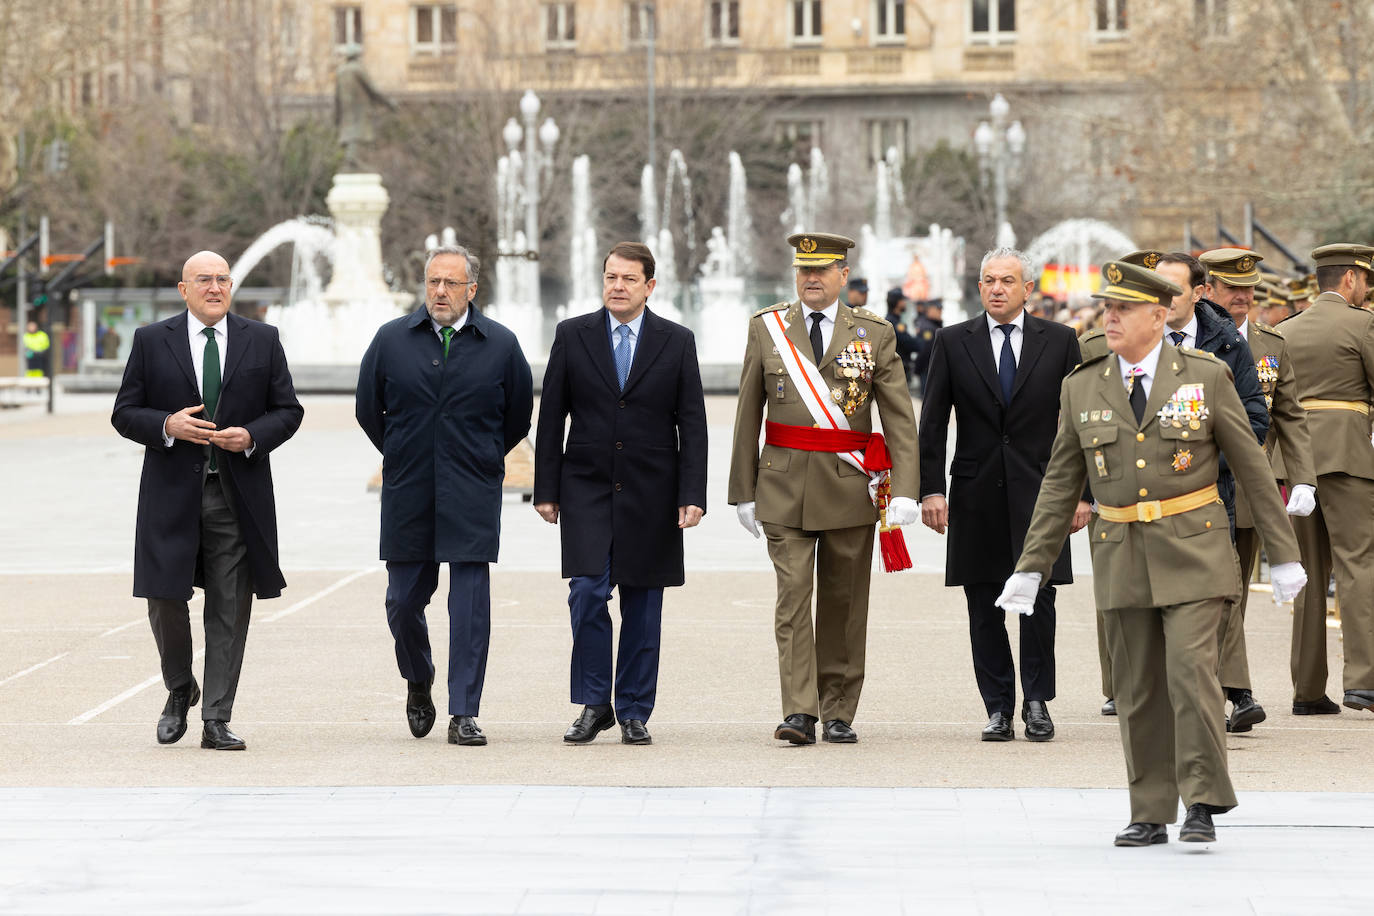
(444, 393)
(630, 478)
(209, 396)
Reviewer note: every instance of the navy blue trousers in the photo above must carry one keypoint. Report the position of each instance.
(409, 587)
(636, 663)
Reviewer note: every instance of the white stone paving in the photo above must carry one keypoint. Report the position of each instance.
(554, 849)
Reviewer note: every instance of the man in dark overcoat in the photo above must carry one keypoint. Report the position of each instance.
(209, 396)
(1000, 373)
(630, 478)
(443, 393)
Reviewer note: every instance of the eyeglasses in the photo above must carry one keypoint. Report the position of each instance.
(446, 283)
(205, 280)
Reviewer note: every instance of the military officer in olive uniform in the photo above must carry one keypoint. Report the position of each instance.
(1233, 277)
(1331, 346)
(813, 506)
(1146, 427)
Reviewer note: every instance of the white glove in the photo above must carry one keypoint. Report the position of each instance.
(1302, 500)
(1019, 593)
(745, 511)
(903, 510)
(1287, 579)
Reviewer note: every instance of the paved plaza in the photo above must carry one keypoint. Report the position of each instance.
(335, 808)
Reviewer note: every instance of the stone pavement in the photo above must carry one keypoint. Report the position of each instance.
(321, 813)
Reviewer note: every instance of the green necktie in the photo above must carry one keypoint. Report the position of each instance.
(448, 338)
(210, 385)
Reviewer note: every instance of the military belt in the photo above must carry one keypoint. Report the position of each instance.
(1328, 404)
(1155, 509)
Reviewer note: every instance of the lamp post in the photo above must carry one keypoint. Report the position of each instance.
(535, 161)
(999, 147)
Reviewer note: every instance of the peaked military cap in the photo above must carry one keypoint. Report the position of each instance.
(817, 249)
(1232, 266)
(1344, 254)
(1148, 258)
(1302, 287)
(1133, 283)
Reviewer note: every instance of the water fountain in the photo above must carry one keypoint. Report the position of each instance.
(657, 230)
(724, 276)
(584, 258)
(808, 196)
(330, 328)
(925, 267)
(1078, 246)
(515, 302)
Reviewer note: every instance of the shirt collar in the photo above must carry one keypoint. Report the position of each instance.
(196, 326)
(1245, 329)
(1149, 364)
(1189, 330)
(1019, 322)
(830, 313)
(635, 323)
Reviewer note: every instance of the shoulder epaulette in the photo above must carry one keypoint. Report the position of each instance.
(772, 308)
(1092, 360)
(1267, 329)
(865, 313)
(1091, 334)
(1199, 354)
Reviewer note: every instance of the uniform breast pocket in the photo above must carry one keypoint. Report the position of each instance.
(776, 383)
(1182, 442)
(1101, 452)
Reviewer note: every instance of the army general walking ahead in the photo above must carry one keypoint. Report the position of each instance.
(816, 367)
(1146, 426)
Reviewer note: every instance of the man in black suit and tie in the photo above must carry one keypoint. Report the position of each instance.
(209, 396)
(630, 478)
(1000, 372)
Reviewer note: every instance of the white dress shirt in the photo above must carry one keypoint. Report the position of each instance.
(827, 323)
(1189, 333)
(634, 324)
(1245, 329)
(1148, 365)
(457, 325)
(1018, 333)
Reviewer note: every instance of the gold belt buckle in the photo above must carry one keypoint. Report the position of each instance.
(1149, 511)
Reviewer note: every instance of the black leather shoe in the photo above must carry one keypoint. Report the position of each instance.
(593, 721)
(462, 730)
(1359, 699)
(1141, 834)
(1197, 826)
(172, 725)
(217, 736)
(420, 712)
(1323, 707)
(1245, 712)
(1109, 708)
(632, 731)
(1036, 715)
(837, 731)
(798, 728)
(998, 728)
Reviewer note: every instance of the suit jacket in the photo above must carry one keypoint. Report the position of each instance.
(256, 393)
(1331, 347)
(632, 457)
(1288, 431)
(1184, 557)
(816, 490)
(1001, 450)
(444, 427)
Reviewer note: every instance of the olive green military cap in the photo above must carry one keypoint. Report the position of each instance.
(1148, 258)
(817, 249)
(1232, 266)
(1302, 287)
(1344, 254)
(1133, 283)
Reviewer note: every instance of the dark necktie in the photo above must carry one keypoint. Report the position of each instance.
(622, 355)
(448, 339)
(210, 382)
(817, 347)
(1006, 364)
(1138, 395)
(1176, 337)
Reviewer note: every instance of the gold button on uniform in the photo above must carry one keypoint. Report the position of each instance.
(1140, 437)
(1184, 434)
(1094, 440)
(1144, 492)
(1103, 535)
(1140, 462)
(1209, 524)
